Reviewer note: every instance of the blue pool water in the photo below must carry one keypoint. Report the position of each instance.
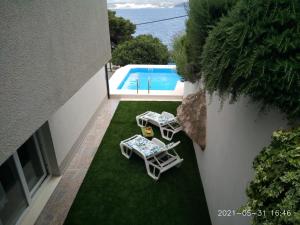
(160, 79)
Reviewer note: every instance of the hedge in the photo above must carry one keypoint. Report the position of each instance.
(203, 15)
(255, 51)
(274, 192)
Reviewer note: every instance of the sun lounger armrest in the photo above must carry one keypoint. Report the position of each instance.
(172, 145)
(158, 142)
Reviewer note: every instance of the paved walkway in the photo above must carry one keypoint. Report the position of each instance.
(57, 207)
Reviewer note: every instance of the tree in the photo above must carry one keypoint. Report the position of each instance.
(203, 15)
(120, 29)
(255, 51)
(144, 49)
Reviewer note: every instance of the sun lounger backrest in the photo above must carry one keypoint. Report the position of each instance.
(168, 115)
(172, 145)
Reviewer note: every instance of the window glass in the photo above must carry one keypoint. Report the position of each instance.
(12, 198)
(31, 163)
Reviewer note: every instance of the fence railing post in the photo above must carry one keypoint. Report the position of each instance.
(149, 86)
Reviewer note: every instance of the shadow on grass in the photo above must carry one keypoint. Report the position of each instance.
(118, 191)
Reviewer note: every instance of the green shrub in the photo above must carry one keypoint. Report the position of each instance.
(276, 184)
(255, 51)
(203, 15)
(144, 49)
(178, 54)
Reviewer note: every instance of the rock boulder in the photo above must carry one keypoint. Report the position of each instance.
(191, 114)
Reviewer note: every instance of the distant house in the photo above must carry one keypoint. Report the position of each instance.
(52, 81)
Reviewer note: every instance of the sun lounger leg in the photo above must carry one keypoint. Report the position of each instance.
(152, 171)
(141, 122)
(166, 133)
(179, 164)
(127, 152)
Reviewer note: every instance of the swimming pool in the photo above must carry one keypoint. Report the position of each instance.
(164, 83)
(158, 79)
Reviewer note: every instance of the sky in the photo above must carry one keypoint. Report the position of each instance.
(143, 1)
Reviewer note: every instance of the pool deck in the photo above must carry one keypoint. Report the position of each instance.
(121, 73)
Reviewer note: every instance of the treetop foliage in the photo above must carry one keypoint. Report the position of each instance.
(143, 49)
(120, 29)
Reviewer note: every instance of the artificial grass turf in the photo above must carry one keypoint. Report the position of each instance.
(118, 191)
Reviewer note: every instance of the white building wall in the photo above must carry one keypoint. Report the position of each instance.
(236, 133)
(49, 50)
(68, 122)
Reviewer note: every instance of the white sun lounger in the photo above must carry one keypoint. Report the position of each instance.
(158, 157)
(166, 122)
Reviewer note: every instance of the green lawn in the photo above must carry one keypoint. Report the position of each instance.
(118, 191)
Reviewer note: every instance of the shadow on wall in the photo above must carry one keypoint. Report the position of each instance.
(236, 133)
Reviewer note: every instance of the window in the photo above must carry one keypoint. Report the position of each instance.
(32, 163)
(20, 177)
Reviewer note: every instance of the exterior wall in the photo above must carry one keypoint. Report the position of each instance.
(236, 133)
(67, 123)
(49, 50)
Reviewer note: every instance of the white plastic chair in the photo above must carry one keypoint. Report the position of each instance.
(166, 122)
(158, 156)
